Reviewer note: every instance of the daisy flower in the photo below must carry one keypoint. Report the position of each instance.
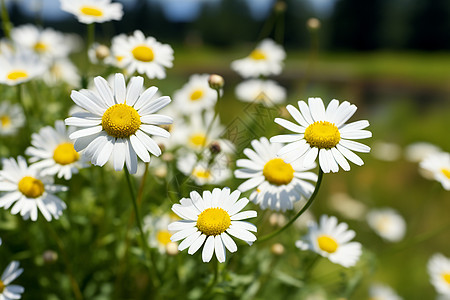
(47, 42)
(277, 185)
(267, 92)
(93, 11)
(195, 95)
(266, 59)
(11, 118)
(347, 207)
(323, 132)
(11, 291)
(439, 272)
(416, 152)
(382, 292)
(118, 122)
(210, 220)
(29, 191)
(62, 70)
(331, 240)
(20, 66)
(386, 151)
(53, 153)
(141, 54)
(159, 236)
(439, 166)
(387, 223)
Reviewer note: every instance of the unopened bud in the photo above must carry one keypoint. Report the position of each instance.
(215, 148)
(277, 249)
(172, 248)
(167, 156)
(161, 171)
(101, 52)
(216, 82)
(49, 256)
(313, 23)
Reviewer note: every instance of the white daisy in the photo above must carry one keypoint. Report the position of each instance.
(118, 122)
(416, 152)
(267, 92)
(29, 191)
(382, 292)
(11, 291)
(141, 54)
(347, 207)
(277, 184)
(62, 70)
(47, 42)
(159, 236)
(53, 152)
(20, 66)
(11, 118)
(93, 11)
(210, 220)
(266, 59)
(439, 272)
(387, 223)
(98, 53)
(331, 240)
(439, 165)
(195, 95)
(386, 151)
(208, 170)
(323, 132)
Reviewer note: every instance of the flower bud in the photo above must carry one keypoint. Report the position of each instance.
(172, 248)
(216, 82)
(313, 24)
(101, 52)
(49, 256)
(277, 249)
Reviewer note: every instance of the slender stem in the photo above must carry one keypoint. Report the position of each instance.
(213, 281)
(24, 108)
(310, 266)
(304, 208)
(91, 34)
(145, 247)
(6, 24)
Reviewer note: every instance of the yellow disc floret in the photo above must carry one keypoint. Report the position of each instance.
(327, 243)
(258, 55)
(163, 237)
(31, 187)
(201, 173)
(197, 94)
(446, 172)
(17, 74)
(121, 121)
(277, 172)
(5, 121)
(65, 154)
(197, 140)
(91, 11)
(40, 47)
(446, 277)
(322, 134)
(143, 53)
(213, 221)
(2, 286)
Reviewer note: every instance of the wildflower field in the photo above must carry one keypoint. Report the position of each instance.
(135, 168)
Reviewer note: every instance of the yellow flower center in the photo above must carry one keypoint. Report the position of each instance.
(197, 94)
(31, 187)
(277, 172)
(257, 55)
(5, 121)
(213, 221)
(197, 140)
(119, 58)
(383, 223)
(201, 173)
(17, 74)
(40, 47)
(163, 237)
(446, 277)
(143, 53)
(91, 11)
(327, 243)
(446, 172)
(2, 286)
(322, 134)
(121, 121)
(65, 154)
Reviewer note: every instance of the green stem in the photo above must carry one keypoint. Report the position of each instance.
(6, 24)
(90, 34)
(304, 208)
(213, 282)
(24, 108)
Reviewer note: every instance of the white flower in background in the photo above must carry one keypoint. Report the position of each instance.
(439, 272)
(210, 220)
(323, 133)
(382, 292)
(331, 240)
(11, 118)
(159, 235)
(62, 70)
(20, 66)
(118, 122)
(53, 153)
(208, 170)
(266, 59)
(195, 95)
(439, 166)
(276, 185)
(48, 43)
(29, 191)
(386, 151)
(266, 92)
(416, 152)
(144, 55)
(98, 53)
(93, 11)
(387, 223)
(10, 291)
(347, 207)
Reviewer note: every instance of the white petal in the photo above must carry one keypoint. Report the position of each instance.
(145, 97)
(289, 125)
(295, 113)
(286, 138)
(156, 119)
(154, 105)
(154, 130)
(350, 155)
(187, 242)
(251, 183)
(85, 132)
(119, 154)
(356, 134)
(197, 244)
(130, 158)
(219, 248)
(228, 242)
(317, 109)
(149, 143)
(119, 88)
(180, 225)
(134, 89)
(82, 122)
(208, 249)
(104, 90)
(354, 126)
(246, 163)
(244, 225)
(242, 234)
(355, 146)
(183, 234)
(340, 159)
(304, 109)
(86, 103)
(139, 148)
(105, 152)
(310, 157)
(244, 215)
(293, 146)
(238, 206)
